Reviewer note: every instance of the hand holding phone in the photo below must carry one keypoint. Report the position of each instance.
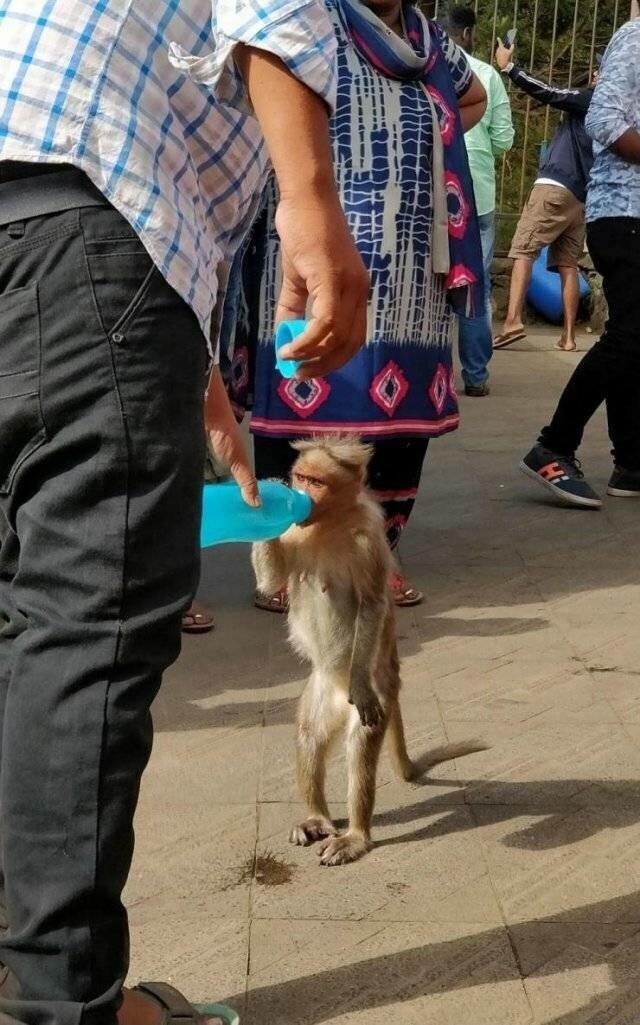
(504, 49)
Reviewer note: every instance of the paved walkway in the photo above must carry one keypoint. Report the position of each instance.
(505, 888)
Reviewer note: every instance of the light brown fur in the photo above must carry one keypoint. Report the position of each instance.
(336, 569)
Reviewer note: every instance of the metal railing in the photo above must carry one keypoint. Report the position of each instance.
(558, 41)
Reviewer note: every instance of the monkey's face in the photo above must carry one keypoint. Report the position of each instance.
(329, 486)
(315, 485)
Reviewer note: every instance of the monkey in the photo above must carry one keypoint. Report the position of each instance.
(336, 569)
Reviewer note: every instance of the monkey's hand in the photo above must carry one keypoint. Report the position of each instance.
(270, 566)
(364, 698)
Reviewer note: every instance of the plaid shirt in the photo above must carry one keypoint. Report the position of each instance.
(145, 98)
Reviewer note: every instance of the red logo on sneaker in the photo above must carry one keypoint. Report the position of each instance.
(552, 472)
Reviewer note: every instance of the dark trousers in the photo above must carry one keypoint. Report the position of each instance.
(610, 372)
(101, 451)
(394, 474)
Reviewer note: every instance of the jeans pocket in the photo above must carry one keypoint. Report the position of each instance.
(22, 428)
(121, 273)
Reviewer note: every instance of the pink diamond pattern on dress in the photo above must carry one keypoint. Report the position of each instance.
(453, 391)
(240, 371)
(304, 397)
(438, 388)
(389, 388)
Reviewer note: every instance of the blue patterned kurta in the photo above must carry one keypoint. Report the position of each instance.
(401, 384)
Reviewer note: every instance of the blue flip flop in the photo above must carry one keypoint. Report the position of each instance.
(177, 1009)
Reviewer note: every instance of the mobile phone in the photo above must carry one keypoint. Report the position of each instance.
(510, 38)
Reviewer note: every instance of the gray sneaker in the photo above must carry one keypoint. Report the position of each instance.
(477, 391)
(624, 483)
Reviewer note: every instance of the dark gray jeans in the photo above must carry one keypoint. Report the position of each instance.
(101, 451)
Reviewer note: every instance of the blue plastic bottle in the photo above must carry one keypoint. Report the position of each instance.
(227, 517)
(287, 332)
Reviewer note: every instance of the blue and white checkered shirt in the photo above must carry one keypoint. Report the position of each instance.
(145, 98)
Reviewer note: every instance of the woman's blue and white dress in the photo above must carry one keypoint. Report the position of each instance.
(401, 384)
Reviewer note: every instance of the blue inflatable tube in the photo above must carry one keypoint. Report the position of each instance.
(545, 290)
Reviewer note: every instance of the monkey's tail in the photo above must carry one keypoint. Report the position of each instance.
(446, 753)
(407, 769)
(402, 764)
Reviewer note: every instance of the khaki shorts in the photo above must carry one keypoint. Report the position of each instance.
(552, 217)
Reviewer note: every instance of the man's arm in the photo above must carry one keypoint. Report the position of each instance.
(608, 120)
(320, 259)
(285, 54)
(571, 101)
(472, 104)
(501, 131)
(472, 98)
(628, 146)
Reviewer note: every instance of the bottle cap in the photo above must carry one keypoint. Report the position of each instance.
(302, 506)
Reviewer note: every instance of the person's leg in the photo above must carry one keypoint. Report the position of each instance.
(564, 257)
(549, 213)
(520, 281)
(616, 255)
(475, 339)
(570, 304)
(11, 625)
(394, 478)
(100, 477)
(622, 336)
(274, 458)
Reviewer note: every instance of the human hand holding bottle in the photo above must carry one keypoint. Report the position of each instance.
(226, 440)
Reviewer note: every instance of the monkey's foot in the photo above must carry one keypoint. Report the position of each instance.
(340, 850)
(311, 830)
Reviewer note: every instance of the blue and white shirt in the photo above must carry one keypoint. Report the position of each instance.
(146, 99)
(614, 190)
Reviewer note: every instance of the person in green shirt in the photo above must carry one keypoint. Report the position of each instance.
(491, 136)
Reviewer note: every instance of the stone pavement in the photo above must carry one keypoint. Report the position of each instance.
(504, 889)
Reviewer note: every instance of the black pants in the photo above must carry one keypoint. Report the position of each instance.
(101, 452)
(394, 474)
(610, 372)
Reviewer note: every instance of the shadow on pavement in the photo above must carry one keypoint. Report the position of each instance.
(488, 957)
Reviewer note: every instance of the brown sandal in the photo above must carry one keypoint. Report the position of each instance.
(404, 595)
(197, 619)
(178, 1011)
(508, 338)
(278, 602)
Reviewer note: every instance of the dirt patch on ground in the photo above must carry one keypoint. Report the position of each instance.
(267, 870)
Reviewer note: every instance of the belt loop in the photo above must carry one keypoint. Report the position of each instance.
(16, 230)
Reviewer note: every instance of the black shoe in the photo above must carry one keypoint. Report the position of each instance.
(624, 483)
(477, 391)
(561, 475)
